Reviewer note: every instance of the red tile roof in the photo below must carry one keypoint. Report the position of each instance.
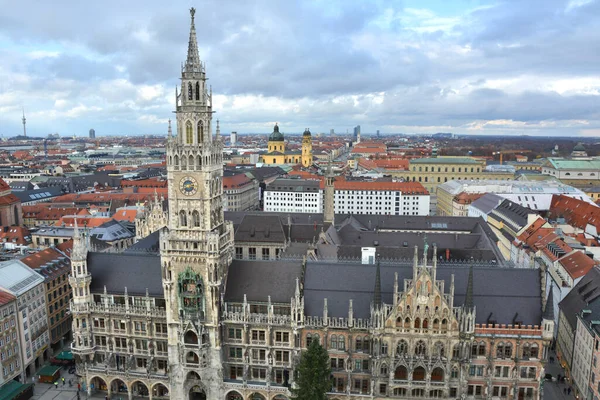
(40, 258)
(577, 264)
(576, 212)
(6, 298)
(466, 198)
(17, 235)
(66, 247)
(125, 215)
(87, 221)
(235, 181)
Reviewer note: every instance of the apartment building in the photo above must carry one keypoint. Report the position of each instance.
(27, 286)
(10, 345)
(294, 195)
(241, 193)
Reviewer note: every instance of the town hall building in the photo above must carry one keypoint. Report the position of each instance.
(178, 315)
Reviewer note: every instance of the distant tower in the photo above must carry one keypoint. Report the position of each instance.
(307, 156)
(377, 133)
(92, 134)
(24, 123)
(332, 132)
(233, 138)
(357, 134)
(329, 206)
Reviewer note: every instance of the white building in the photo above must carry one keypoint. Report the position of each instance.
(233, 138)
(381, 198)
(535, 195)
(294, 195)
(350, 197)
(28, 287)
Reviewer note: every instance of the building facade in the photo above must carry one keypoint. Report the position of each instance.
(241, 193)
(277, 153)
(294, 195)
(27, 286)
(10, 345)
(54, 266)
(188, 322)
(536, 195)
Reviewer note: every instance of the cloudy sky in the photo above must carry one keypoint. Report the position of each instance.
(464, 66)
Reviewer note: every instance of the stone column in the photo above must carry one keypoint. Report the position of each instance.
(129, 392)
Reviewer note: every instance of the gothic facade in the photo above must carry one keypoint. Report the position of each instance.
(188, 321)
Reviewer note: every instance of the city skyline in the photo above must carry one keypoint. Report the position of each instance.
(470, 67)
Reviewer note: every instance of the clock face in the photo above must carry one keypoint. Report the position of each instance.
(188, 186)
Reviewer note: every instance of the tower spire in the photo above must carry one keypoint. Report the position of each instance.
(192, 63)
(549, 308)
(170, 131)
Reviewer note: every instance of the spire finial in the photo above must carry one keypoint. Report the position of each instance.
(549, 308)
(170, 130)
(192, 63)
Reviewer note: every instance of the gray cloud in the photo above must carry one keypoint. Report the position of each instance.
(329, 62)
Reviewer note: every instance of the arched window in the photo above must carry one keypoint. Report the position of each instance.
(419, 374)
(421, 348)
(189, 133)
(454, 373)
(407, 323)
(437, 375)
(384, 370)
(333, 342)
(456, 351)
(196, 218)
(197, 90)
(402, 348)
(176, 162)
(200, 132)
(341, 343)
(384, 348)
(504, 350)
(417, 323)
(358, 344)
(401, 373)
(182, 218)
(425, 323)
(183, 163)
(190, 96)
(481, 349)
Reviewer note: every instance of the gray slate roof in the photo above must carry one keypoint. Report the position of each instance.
(584, 293)
(500, 294)
(116, 271)
(260, 279)
(487, 202)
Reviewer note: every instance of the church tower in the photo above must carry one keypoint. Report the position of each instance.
(307, 157)
(197, 244)
(329, 196)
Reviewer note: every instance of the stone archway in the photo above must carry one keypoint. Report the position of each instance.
(159, 390)
(97, 384)
(197, 393)
(118, 386)
(256, 396)
(139, 389)
(279, 397)
(234, 395)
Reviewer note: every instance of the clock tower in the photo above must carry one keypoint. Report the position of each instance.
(197, 244)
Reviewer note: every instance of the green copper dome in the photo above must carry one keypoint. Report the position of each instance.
(276, 136)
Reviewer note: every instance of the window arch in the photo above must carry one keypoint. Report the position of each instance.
(333, 343)
(189, 133)
(401, 373)
(421, 348)
(196, 218)
(407, 323)
(419, 374)
(190, 95)
(504, 350)
(456, 351)
(341, 343)
(383, 370)
(197, 90)
(402, 347)
(182, 218)
(183, 163)
(176, 162)
(437, 375)
(200, 131)
(417, 323)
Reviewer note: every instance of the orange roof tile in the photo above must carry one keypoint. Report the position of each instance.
(577, 264)
(16, 234)
(125, 215)
(235, 181)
